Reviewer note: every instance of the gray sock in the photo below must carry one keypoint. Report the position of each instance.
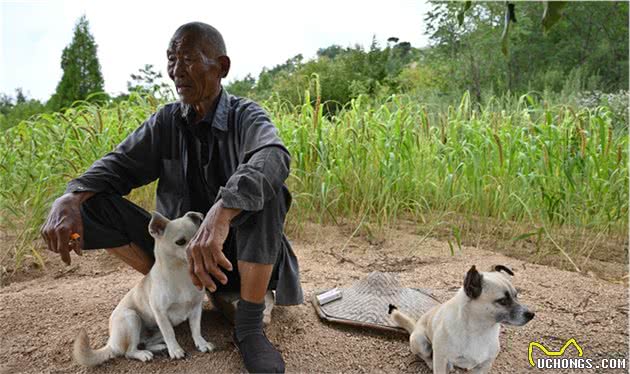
(248, 319)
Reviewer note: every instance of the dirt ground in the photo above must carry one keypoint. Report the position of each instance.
(41, 311)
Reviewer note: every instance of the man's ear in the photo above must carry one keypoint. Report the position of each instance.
(196, 217)
(472, 283)
(225, 63)
(157, 225)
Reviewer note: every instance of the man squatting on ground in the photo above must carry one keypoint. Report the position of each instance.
(213, 153)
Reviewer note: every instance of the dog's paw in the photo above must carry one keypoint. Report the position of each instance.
(204, 346)
(176, 352)
(266, 319)
(143, 356)
(208, 347)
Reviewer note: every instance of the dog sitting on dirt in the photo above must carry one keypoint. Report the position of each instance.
(164, 298)
(464, 331)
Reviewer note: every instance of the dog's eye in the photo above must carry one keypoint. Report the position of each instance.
(181, 241)
(504, 301)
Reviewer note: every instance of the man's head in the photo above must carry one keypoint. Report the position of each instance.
(197, 61)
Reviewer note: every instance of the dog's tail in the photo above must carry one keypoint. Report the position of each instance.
(85, 355)
(401, 319)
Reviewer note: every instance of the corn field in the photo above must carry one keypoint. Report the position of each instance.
(522, 160)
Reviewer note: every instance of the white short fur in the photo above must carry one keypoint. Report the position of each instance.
(464, 331)
(163, 298)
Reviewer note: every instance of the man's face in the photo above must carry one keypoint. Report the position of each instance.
(193, 68)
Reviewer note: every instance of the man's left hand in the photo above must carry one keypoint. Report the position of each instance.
(205, 250)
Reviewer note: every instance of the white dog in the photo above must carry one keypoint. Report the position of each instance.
(164, 298)
(464, 331)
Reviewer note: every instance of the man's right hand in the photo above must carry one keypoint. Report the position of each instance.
(64, 220)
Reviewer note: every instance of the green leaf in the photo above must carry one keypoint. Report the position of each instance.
(509, 17)
(538, 233)
(460, 15)
(552, 13)
(524, 236)
(458, 237)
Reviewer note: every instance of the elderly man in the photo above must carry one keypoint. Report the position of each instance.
(212, 153)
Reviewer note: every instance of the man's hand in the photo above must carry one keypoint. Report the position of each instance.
(205, 250)
(64, 220)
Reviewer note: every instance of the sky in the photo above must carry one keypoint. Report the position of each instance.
(132, 33)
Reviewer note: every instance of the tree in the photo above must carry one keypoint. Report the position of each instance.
(19, 96)
(149, 82)
(6, 104)
(243, 87)
(24, 108)
(81, 69)
(551, 14)
(587, 48)
(343, 73)
(331, 52)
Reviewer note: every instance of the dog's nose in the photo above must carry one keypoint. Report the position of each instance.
(529, 315)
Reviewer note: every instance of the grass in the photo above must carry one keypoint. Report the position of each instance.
(554, 166)
(547, 168)
(39, 156)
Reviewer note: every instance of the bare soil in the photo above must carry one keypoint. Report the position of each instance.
(42, 310)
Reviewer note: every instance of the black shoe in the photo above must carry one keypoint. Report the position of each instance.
(259, 355)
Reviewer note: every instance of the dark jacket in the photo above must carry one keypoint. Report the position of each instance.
(253, 158)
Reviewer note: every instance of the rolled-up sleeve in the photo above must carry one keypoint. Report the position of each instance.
(263, 166)
(134, 163)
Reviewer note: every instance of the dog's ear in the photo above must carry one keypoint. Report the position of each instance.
(472, 283)
(157, 225)
(503, 268)
(196, 217)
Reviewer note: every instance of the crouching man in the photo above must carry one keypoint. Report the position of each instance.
(213, 153)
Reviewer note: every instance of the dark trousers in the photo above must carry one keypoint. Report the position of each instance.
(110, 221)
